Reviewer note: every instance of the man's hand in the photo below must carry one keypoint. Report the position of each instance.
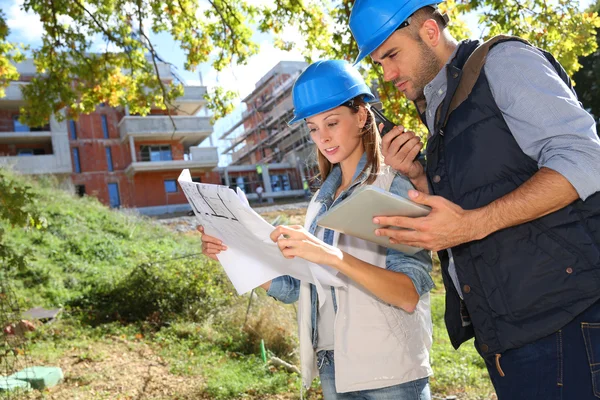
(447, 225)
(399, 149)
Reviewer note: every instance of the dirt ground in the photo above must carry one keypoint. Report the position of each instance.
(118, 369)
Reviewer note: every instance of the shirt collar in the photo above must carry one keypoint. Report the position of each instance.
(334, 179)
(440, 81)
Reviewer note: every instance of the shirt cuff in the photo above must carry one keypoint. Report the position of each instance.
(420, 278)
(585, 180)
(284, 289)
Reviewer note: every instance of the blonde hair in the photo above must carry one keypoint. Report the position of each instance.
(371, 143)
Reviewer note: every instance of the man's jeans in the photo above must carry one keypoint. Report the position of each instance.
(562, 366)
(414, 390)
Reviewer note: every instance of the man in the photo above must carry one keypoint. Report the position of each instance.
(259, 193)
(513, 171)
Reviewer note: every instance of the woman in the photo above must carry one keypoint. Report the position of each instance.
(371, 339)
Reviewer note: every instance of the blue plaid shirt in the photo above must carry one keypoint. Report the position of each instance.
(417, 267)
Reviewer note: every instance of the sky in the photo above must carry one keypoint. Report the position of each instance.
(26, 28)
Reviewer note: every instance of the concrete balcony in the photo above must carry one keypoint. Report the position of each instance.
(14, 97)
(191, 101)
(38, 165)
(190, 131)
(25, 137)
(201, 158)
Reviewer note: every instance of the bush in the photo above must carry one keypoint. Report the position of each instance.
(268, 319)
(159, 292)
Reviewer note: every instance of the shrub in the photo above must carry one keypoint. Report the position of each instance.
(159, 292)
(268, 319)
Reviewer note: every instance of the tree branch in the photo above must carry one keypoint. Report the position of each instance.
(153, 55)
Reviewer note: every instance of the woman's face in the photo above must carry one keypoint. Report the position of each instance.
(337, 132)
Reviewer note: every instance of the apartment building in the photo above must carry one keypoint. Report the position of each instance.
(122, 159)
(262, 138)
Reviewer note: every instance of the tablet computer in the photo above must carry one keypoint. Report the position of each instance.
(354, 215)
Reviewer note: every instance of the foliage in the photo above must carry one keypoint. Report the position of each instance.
(240, 330)
(158, 293)
(588, 77)
(10, 53)
(108, 262)
(77, 77)
(17, 209)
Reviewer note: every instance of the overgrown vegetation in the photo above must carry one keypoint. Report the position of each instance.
(133, 298)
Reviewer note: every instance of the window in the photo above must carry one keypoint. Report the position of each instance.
(104, 126)
(113, 195)
(198, 180)
(76, 162)
(109, 162)
(156, 153)
(80, 190)
(19, 127)
(72, 129)
(25, 152)
(170, 186)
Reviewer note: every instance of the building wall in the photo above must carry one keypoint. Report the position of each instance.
(7, 123)
(150, 187)
(96, 184)
(91, 143)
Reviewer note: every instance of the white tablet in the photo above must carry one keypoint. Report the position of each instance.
(354, 215)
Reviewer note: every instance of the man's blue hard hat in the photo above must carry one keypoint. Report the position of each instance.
(373, 21)
(325, 85)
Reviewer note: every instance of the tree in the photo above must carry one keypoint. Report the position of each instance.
(220, 31)
(588, 77)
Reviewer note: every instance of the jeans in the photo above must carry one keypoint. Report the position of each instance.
(414, 390)
(562, 366)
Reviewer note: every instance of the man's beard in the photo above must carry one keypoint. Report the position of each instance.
(428, 68)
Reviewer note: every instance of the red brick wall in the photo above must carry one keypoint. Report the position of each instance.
(150, 187)
(92, 156)
(90, 126)
(96, 184)
(7, 120)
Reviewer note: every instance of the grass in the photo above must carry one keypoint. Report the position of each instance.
(134, 325)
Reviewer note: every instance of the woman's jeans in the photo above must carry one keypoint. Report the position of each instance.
(414, 390)
(562, 366)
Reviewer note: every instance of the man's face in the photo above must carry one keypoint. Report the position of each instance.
(408, 62)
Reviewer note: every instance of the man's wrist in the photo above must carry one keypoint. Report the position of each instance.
(481, 223)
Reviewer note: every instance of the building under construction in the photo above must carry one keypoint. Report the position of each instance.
(266, 151)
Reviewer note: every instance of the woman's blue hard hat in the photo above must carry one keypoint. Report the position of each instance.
(373, 21)
(325, 85)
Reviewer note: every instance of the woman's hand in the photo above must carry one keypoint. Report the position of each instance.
(295, 241)
(211, 246)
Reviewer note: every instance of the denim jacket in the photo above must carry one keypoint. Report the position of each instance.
(417, 267)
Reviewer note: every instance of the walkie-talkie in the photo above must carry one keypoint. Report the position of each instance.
(388, 126)
(381, 119)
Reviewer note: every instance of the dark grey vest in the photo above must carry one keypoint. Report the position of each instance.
(521, 283)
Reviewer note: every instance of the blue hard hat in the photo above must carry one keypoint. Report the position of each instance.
(373, 21)
(325, 85)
